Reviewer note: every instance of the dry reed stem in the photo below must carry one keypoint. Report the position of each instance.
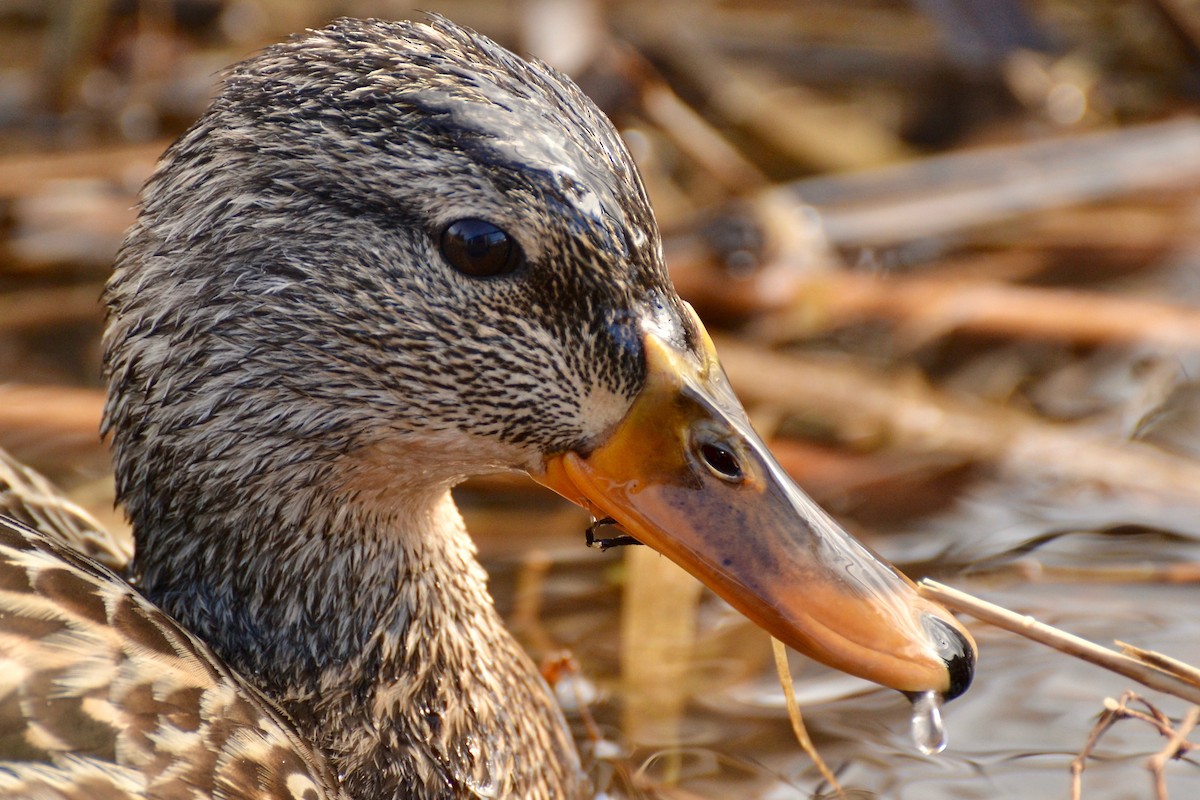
(32, 309)
(1180, 669)
(26, 173)
(658, 634)
(526, 618)
(906, 413)
(688, 130)
(949, 193)
(51, 411)
(928, 308)
(789, 695)
(1031, 570)
(54, 428)
(1025, 625)
(805, 126)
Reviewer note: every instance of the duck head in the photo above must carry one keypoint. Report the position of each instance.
(397, 249)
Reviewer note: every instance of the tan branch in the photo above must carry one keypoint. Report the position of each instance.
(1062, 641)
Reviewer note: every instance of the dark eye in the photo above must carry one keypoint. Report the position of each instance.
(721, 462)
(478, 248)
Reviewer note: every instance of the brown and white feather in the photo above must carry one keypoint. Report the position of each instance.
(103, 696)
(27, 497)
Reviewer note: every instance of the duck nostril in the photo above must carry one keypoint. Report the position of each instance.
(722, 462)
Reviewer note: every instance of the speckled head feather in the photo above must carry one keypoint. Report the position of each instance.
(282, 301)
(298, 221)
(296, 374)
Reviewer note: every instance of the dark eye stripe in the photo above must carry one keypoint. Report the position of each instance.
(480, 249)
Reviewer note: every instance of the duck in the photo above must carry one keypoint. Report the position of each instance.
(389, 256)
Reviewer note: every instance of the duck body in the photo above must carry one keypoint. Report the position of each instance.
(391, 256)
(102, 696)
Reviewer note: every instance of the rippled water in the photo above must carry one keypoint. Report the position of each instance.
(1013, 735)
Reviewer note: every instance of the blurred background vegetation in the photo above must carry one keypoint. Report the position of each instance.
(951, 250)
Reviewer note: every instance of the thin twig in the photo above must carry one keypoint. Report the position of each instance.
(789, 695)
(1116, 710)
(1062, 641)
(1177, 743)
(1107, 718)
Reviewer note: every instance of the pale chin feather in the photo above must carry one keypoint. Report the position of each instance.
(601, 409)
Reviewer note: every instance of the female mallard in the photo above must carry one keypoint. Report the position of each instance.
(389, 256)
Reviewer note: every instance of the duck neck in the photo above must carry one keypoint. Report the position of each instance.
(375, 630)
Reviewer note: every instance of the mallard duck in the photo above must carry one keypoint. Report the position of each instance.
(389, 256)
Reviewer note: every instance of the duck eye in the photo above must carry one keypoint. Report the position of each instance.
(721, 461)
(480, 249)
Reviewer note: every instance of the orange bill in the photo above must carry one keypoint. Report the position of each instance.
(686, 474)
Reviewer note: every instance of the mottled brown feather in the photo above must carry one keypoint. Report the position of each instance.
(103, 696)
(29, 498)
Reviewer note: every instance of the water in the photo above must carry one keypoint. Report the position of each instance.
(1015, 732)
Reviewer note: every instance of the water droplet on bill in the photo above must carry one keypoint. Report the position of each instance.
(927, 729)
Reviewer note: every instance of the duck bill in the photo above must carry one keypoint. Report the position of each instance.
(686, 474)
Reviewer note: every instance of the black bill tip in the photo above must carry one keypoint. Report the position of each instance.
(956, 650)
